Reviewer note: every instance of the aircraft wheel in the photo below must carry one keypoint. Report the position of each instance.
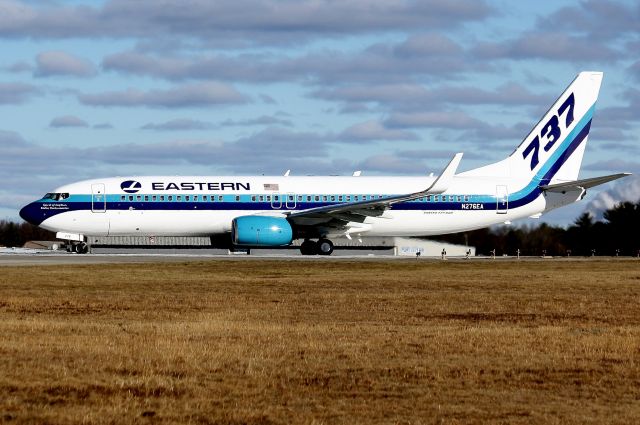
(81, 248)
(324, 247)
(308, 247)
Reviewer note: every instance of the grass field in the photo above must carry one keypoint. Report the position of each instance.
(322, 342)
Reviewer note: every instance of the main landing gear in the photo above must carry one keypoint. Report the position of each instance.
(321, 247)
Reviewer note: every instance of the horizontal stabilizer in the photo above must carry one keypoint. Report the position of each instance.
(582, 184)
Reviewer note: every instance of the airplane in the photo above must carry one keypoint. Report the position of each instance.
(243, 212)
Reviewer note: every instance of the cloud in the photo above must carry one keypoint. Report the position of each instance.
(178, 124)
(614, 165)
(554, 46)
(625, 190)
(599, 19)
(103, 126)
(378, 62)
(16, 93)
(436, 119)
(56, 63)
(261, 120)
(193, 95)
(226, 21)
(374, 130)
(19, 67)
(416, 97)
(67, 121)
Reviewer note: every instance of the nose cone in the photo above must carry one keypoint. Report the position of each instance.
(31, 213)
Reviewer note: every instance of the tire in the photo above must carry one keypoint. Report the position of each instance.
(324, 247)
(308, 248)
(81, 248)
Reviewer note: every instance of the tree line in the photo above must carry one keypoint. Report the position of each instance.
(617, 234)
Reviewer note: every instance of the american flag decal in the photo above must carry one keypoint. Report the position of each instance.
(271, 186)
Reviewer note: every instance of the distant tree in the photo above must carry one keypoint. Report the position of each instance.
(15, 235)
(623, 228)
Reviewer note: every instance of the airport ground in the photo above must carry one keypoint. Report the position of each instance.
(404, 341)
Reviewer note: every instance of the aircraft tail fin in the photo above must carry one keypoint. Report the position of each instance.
(553, 150)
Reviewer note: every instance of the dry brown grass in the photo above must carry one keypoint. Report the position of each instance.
(267, 342)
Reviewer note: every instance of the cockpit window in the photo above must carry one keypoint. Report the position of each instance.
(56, 196)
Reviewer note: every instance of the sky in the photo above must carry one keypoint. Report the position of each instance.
(93, 89)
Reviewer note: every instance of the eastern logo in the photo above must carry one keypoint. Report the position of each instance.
(130, 186)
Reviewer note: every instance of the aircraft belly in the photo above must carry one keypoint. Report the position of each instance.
(435, 222)
(171, 223)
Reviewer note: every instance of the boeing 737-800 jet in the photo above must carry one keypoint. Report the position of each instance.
(540, 175)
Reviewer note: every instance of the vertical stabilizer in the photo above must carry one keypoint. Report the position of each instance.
(553, 150)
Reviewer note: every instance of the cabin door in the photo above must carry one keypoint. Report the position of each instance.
(98, 198)
(502, 199)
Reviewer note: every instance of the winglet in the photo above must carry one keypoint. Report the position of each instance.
(443, 181)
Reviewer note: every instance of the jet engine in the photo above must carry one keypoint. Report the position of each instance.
(254, 230)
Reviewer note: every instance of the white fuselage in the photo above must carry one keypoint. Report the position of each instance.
(198, 206)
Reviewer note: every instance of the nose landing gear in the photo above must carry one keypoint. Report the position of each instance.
(78, 248)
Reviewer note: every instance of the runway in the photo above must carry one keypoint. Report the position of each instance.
(34, 257)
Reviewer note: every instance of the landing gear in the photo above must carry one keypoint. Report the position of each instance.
(322, 247)
(308, 247)
(78, 248)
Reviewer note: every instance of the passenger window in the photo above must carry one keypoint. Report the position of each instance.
(261, 198)
(459, 198)
(300, 197)
(451, 198)
(162, 197)
(276, 198)
(356, 197)
(195, 197)
(348, 198)
(220, 198)
(324, 198)
(186, 197)
(146, 197)
(130, 197)
(138, 198)
(205, 197)
(123, 197)
(340, 198)
(170, 197)
(466, 198)
(253, 198)
(237, 198)
(333, 197)
(179, 198)
(308, 198)
(291, 197)
(268, 198)
(317, 198)
(154, 198)
(436, 198)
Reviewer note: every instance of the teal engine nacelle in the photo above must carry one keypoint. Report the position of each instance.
(254, 230)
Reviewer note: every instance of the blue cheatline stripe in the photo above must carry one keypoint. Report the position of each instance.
(522, 197)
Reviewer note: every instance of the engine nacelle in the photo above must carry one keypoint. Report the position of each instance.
(255, 230)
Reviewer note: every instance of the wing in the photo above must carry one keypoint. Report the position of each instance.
(338, 215)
